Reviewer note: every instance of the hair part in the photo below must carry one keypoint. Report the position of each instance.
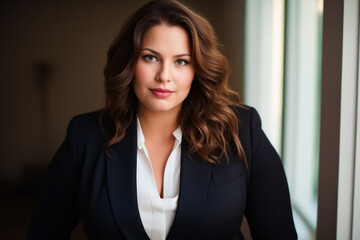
(207, 118)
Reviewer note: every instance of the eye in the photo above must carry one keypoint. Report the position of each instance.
(182, 62)
(149, 58)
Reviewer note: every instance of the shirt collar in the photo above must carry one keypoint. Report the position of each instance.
(141, 139)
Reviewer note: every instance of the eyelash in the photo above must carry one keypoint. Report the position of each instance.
(148, 57)
(182, 60)
(151, 58)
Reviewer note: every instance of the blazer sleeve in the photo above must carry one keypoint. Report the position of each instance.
(268, 208)
(56, 213)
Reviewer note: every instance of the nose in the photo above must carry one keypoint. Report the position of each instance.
(164, 74)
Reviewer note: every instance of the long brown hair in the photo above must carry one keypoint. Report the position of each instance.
(207, 118)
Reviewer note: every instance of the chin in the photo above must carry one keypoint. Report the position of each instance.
(162, 108)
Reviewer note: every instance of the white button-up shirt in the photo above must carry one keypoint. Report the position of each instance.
(156, 213)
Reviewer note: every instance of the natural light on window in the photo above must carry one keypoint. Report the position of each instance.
(282, 80)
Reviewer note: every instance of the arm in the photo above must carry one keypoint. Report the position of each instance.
(268, 207)
(56, 213)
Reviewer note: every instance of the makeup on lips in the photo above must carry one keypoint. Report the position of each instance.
(161, 92)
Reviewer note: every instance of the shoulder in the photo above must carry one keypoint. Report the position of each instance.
(88, 119)
(248, 117)
(86, 126)
(250, 130)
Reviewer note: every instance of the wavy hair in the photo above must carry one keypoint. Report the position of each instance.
(207, 117)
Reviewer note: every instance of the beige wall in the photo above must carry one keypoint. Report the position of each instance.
(72, 38)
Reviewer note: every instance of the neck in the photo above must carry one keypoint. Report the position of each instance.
(158, 123)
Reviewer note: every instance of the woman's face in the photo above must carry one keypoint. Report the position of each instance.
(165, 70)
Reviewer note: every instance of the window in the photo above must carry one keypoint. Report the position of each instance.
(283, 80)
(302, 94)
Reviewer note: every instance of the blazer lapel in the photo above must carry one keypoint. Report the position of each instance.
(194, 180)
(121, 181)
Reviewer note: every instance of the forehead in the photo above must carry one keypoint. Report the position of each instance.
(164, 37)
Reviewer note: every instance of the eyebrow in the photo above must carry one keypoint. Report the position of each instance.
(157, 53)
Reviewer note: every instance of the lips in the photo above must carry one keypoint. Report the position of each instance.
(161, 92)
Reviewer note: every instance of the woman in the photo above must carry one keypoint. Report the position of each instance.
(173, 154)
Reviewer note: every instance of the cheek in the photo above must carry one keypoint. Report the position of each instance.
(140, 73)
(186, 84)
(142, 78)
(139, 80)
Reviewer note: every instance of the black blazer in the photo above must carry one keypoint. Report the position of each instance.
(81, 183)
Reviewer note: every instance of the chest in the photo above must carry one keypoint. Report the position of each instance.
(208, 196)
